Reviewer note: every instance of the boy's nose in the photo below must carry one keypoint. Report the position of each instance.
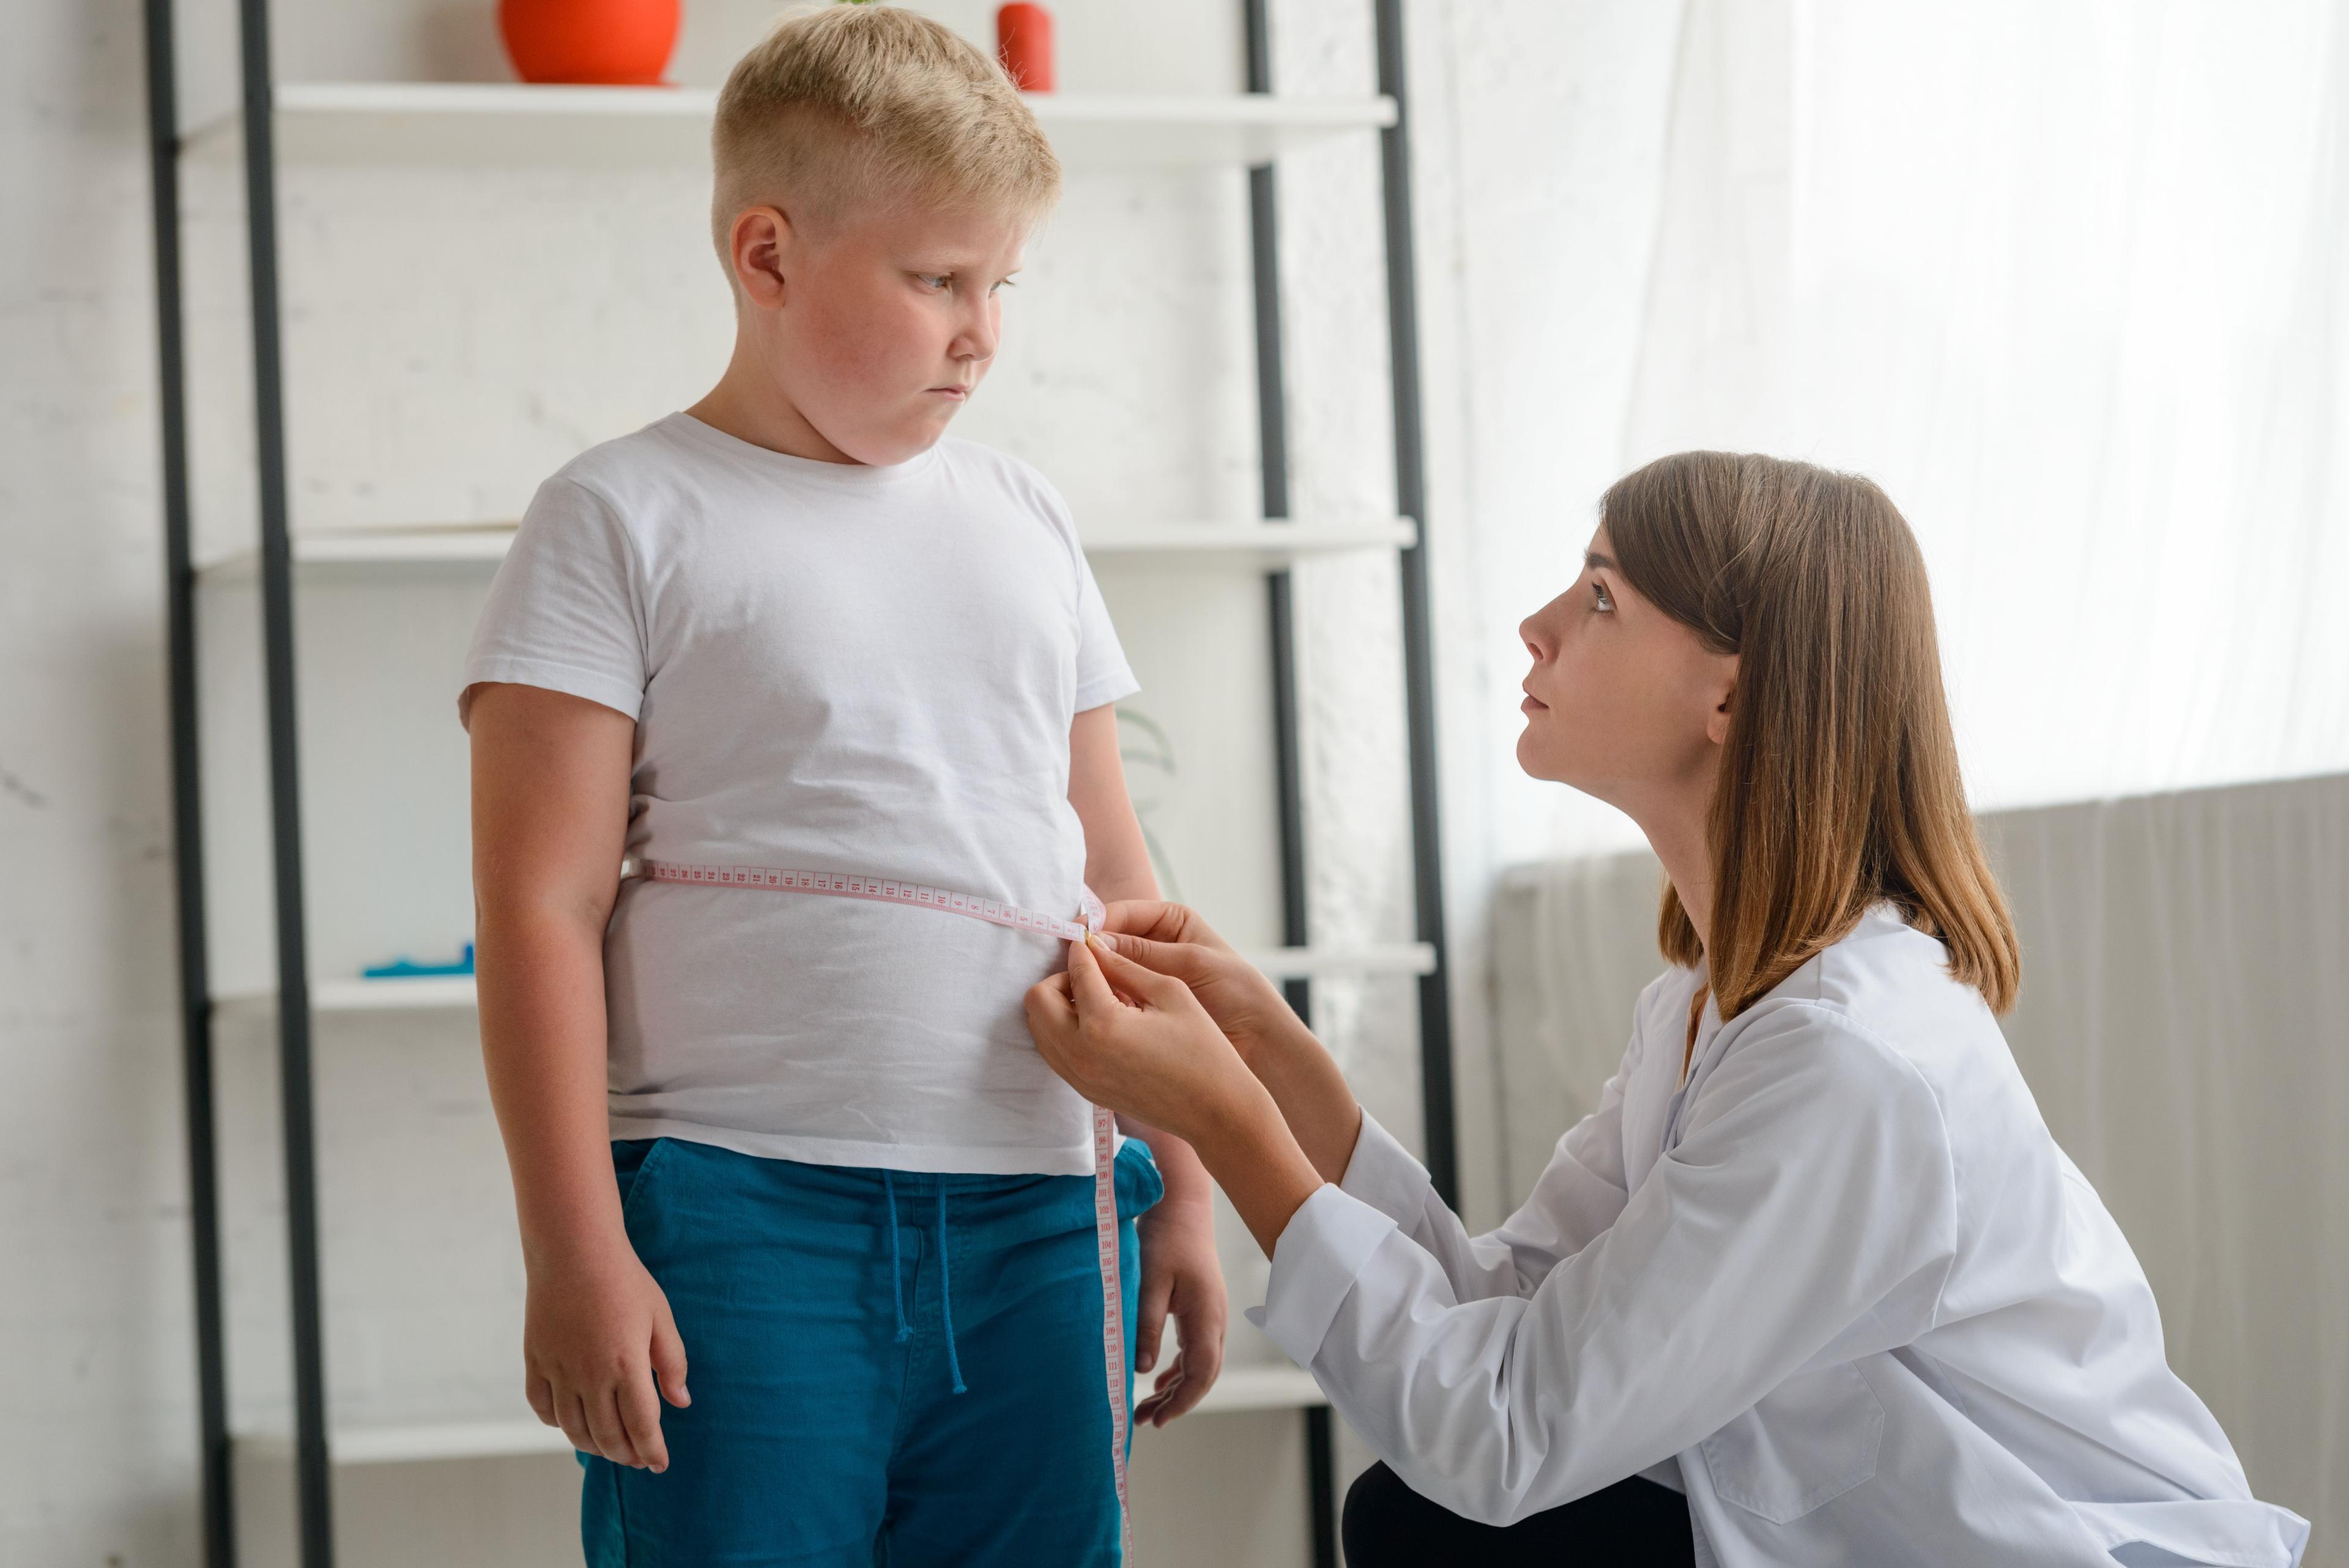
(977, 341)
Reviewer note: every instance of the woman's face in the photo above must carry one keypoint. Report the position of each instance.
(1623, 702)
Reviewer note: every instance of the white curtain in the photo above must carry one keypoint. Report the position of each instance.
(2071, 280)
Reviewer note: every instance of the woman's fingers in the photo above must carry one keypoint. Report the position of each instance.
(1158, 990)
(1089, 990)
(1162, 921)
(1186, 962)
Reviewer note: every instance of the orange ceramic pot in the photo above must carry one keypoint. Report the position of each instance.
(1023, 41)
(611, 43)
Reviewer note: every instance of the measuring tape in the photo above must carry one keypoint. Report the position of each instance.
(1091, 917)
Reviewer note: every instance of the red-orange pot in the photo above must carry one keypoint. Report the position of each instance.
(612, 43)
(1023, 41)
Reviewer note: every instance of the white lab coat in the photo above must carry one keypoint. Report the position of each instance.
(1844, 1290)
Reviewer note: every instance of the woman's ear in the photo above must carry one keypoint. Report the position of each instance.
(1716, 722)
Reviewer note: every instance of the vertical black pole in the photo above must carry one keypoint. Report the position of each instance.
(1419, 667)
(1272, 438)
(187, 800)
(312, 1480)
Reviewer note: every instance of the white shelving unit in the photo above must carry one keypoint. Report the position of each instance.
(458, 126)
(1253, 546)
(1239, 1389)
(434, 993)
(473, 122)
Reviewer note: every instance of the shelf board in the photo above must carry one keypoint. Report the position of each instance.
(1240, 1389)
(432, 992)
(1258, 545)
(1322, 962)
(474, 123)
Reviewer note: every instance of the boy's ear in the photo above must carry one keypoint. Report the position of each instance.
(759, 242)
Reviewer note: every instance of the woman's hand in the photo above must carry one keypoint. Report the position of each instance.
(1265, 1031)
(1174, 940)
(1138, 1043)
(601, 1351)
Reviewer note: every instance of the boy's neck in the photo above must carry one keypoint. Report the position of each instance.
(746, 405)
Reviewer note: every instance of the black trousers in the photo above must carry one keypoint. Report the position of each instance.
(1634, 1523)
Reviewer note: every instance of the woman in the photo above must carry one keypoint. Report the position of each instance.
(1814, 1284)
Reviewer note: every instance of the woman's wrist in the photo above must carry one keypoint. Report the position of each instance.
(1249, 1148)
(1298, 1071)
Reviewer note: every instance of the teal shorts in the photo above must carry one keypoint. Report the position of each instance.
(824, 1346)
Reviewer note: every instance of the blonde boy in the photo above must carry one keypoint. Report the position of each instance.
(797, 626)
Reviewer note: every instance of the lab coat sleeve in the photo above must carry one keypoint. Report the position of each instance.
(1579, 1194)
(1813, 1187)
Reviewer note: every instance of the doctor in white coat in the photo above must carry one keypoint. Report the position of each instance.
(1814, 1285)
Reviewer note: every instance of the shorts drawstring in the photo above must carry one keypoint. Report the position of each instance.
(946, 1293)
(896, 1257)
(897, 1275)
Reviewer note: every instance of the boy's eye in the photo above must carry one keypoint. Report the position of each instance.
(935, 280)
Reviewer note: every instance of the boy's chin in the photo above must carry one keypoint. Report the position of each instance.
(896, 446)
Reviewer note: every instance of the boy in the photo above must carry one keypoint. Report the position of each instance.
(796, 626)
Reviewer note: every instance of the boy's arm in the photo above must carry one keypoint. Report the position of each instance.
(1179, 1270)
(550, 774)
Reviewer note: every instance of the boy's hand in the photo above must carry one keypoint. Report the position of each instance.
(1180, 1274)
(596, 1334)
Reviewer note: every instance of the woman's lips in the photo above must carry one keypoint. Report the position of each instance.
(1533, 704)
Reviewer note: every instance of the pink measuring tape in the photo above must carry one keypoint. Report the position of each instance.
(1091, 916)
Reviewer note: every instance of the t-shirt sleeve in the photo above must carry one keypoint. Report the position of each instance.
(566, 609)
(1103, 673)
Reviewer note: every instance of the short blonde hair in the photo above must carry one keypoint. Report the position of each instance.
(855, 102)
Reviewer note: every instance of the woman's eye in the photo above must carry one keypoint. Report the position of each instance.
(1601, 599)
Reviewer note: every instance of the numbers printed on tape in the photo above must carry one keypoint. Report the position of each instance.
(839, 885)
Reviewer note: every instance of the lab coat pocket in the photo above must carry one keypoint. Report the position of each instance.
(1810, 1439)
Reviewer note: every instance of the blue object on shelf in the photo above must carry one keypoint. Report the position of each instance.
(408, 969)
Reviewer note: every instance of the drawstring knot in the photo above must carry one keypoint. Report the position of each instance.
(897, 1275)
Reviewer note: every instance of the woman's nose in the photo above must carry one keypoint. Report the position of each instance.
(1530, 633)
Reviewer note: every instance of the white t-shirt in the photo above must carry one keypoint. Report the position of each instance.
(831, 668)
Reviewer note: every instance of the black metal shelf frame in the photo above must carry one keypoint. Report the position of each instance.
(312, 1460)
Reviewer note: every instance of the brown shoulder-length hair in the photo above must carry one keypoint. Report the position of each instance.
(1839, 782)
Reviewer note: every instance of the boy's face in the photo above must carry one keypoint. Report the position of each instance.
(876, 329)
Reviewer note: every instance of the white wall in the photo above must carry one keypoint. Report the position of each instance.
(1539, 131)
(96, 1382)
(405, 404)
